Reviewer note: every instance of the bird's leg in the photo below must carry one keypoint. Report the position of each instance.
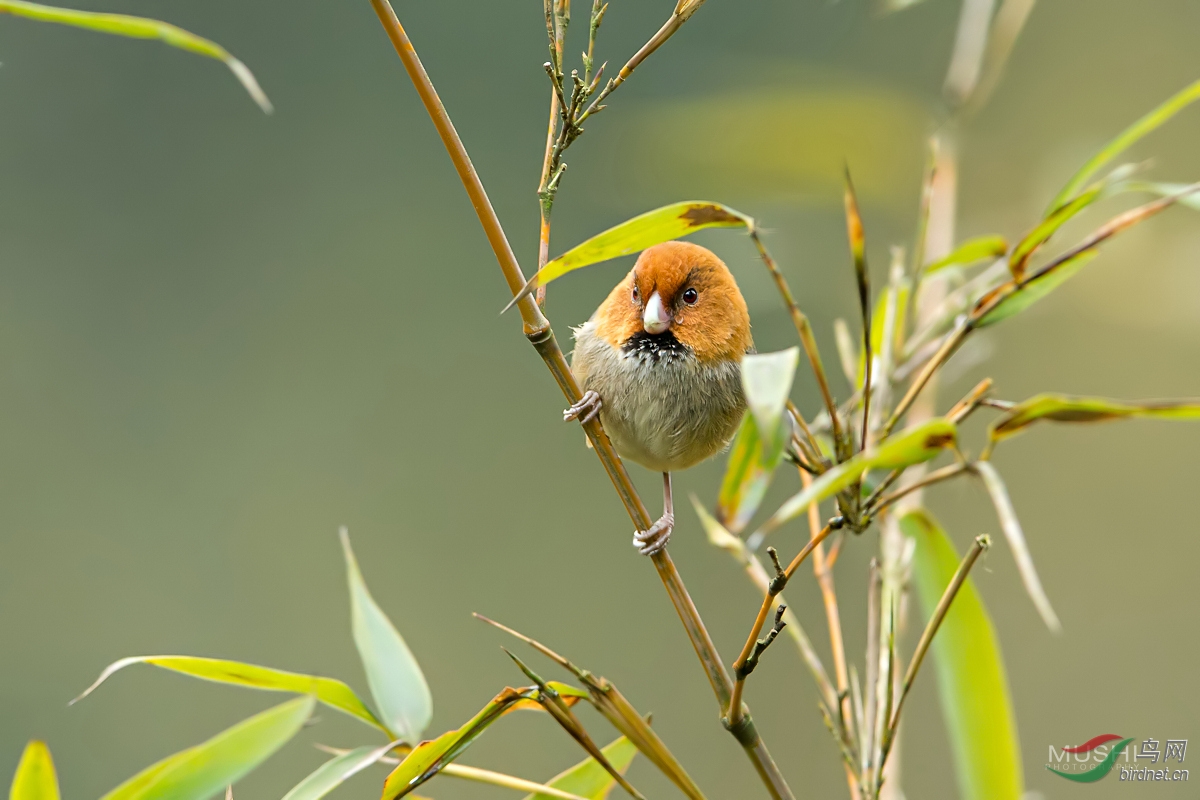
(587, 407)
(651, 541)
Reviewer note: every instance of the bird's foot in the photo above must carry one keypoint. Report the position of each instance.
(655, 539)
(585, 410)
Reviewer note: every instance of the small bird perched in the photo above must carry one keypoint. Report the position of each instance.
(660, 362)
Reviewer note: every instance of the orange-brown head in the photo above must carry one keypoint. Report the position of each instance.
(682, 289)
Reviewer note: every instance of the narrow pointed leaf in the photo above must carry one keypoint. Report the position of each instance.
(1125, 140)
(140, 28)
(747, 478)
(1062, 408)
(646, 230)
(983, 248)
(336, 771)
(913, 445)
(1016, 540)
(879, 320)
(208, 768)
(972, 684)
(1191, 200)
(590, 780)
(35, 778)
(329, 691)
(430, 757)
(1037, 288)
(401, 694)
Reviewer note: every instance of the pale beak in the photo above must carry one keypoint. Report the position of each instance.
(656, 319)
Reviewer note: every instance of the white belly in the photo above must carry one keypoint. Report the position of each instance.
(666, 414)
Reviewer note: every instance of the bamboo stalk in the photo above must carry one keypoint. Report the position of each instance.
(538, 331)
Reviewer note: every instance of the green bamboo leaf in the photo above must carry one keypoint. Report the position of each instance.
(202, 771)
(1125, 140)
(746, 478)
(646, 230)
(1035, 289)
(590, 780)
(35, 778)
(429, 757)
(1063, 408)
(972, 684)
(983, 248)
(397, 683)
(1011, 525)
(910, 446)
(140, 28)
(767, 381)
(336, 771)
(878, 321)
(329, 691)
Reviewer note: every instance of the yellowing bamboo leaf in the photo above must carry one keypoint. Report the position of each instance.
(429, 757)
(913, 445)
(329, 691)
(336, 771)
(1125, 140)
(972, 684)
(140, 28)
(1016, 540)
(1063, 408)
(983, 248)
(35, 778)
(646, 230)
(202, 771)
(588, 779)
(397, 683)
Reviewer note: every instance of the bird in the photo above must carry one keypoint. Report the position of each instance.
(660, 363)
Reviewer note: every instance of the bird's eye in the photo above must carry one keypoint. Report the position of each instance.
(637, 296)
(691, 296)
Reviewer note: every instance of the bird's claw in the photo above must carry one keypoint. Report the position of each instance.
(585, 410)
(651, 541)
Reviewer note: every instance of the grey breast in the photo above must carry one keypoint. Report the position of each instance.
(663, 408)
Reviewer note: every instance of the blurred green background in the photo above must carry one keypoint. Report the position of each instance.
(224, 334)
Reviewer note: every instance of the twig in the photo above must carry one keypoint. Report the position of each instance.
(933, 365)
(537, 329)
(982, 542)
(748, 658)
(823, 571)
(807, 341)
(937, 476)
(557, 18)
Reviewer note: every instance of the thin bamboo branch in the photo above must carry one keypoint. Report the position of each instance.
(937, 476)
(745, 663)
(981, 543)
(541, 336)
(807, 340)
(823, 571)
(556, 21)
